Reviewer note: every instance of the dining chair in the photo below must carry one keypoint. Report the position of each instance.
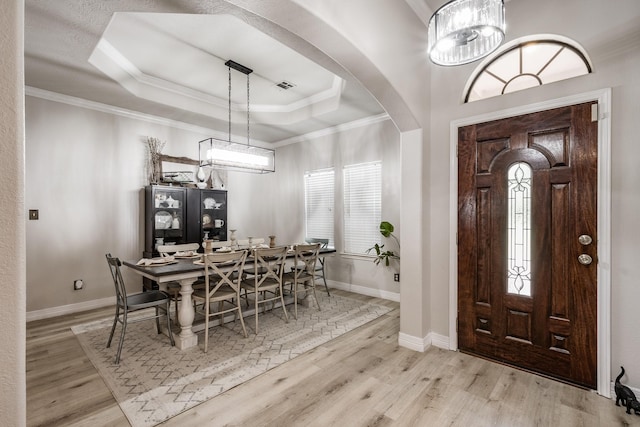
(304, 272)
(173, 288)
(324, 243)
(126, 304)
(222, 285)
(268, 268)
(249, 271)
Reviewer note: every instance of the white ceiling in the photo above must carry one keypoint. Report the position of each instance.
(139, 56)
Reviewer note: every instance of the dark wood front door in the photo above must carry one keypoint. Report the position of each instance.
(527, 291)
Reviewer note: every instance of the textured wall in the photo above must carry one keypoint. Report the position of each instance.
(12, 244)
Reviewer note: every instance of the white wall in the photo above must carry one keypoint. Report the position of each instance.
(614, 49)
(616, 65)
(379, 141)
(85, 171)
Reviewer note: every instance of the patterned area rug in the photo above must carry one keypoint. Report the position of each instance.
(155, 381)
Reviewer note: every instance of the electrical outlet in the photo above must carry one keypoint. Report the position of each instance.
(396, 277)
(78, 284)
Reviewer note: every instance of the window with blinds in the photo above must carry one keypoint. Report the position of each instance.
(362, 206)
(318, 204)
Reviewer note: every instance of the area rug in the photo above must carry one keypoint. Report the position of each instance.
(155, 381)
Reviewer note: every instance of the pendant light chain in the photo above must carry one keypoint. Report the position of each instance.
(248, 110)
(237, 156)
(229, 98)
(248, 141)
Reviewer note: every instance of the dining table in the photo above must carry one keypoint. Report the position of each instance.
(185, 272)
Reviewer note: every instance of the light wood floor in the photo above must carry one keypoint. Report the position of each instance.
(362, 378)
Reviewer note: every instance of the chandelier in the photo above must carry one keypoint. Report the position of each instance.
(463, 31)
(226, 154)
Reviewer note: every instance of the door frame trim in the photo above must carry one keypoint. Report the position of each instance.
(603, 97)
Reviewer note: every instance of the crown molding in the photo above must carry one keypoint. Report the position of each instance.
(123, 112)
(334, 129)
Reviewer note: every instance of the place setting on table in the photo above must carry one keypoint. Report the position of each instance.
(187, 268)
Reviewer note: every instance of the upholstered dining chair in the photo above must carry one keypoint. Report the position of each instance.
(268, 268)
(304, 272)
(324, 243)
(126, 304)
(173, 288)
(222, 285)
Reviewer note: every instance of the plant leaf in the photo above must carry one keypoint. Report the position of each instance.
(386, 228)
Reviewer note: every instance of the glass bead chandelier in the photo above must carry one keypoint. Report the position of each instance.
(463, 31)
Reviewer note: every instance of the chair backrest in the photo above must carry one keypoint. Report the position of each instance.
(324, 243)
(121, 291)
(306, 256)
(268, 264)
(166, 250)
(223, 265)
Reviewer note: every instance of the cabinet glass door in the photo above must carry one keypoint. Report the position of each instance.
(214, 215)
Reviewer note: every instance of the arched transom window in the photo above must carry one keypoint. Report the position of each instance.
(525, 64)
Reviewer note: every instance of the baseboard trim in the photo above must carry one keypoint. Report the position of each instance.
(413, 343)
(635, 390)
(363, 290)
(422, 344)
(440, 341)
(105, 302)
(69, 309)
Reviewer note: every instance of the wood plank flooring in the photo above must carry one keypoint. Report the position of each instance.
(363, 378)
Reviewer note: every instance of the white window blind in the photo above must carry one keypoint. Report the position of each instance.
(362, 206)
(318, 204)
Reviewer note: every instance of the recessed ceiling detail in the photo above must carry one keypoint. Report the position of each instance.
(194, 78)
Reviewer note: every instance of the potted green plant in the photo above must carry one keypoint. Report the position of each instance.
(382, 255)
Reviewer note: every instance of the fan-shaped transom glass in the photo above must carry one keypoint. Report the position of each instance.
(526, 65)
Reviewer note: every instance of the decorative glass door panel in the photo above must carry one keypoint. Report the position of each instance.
(519, 229)
(165, 217)
(526, 194)
(207, 215)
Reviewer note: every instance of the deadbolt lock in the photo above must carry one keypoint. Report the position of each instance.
(585, 239)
